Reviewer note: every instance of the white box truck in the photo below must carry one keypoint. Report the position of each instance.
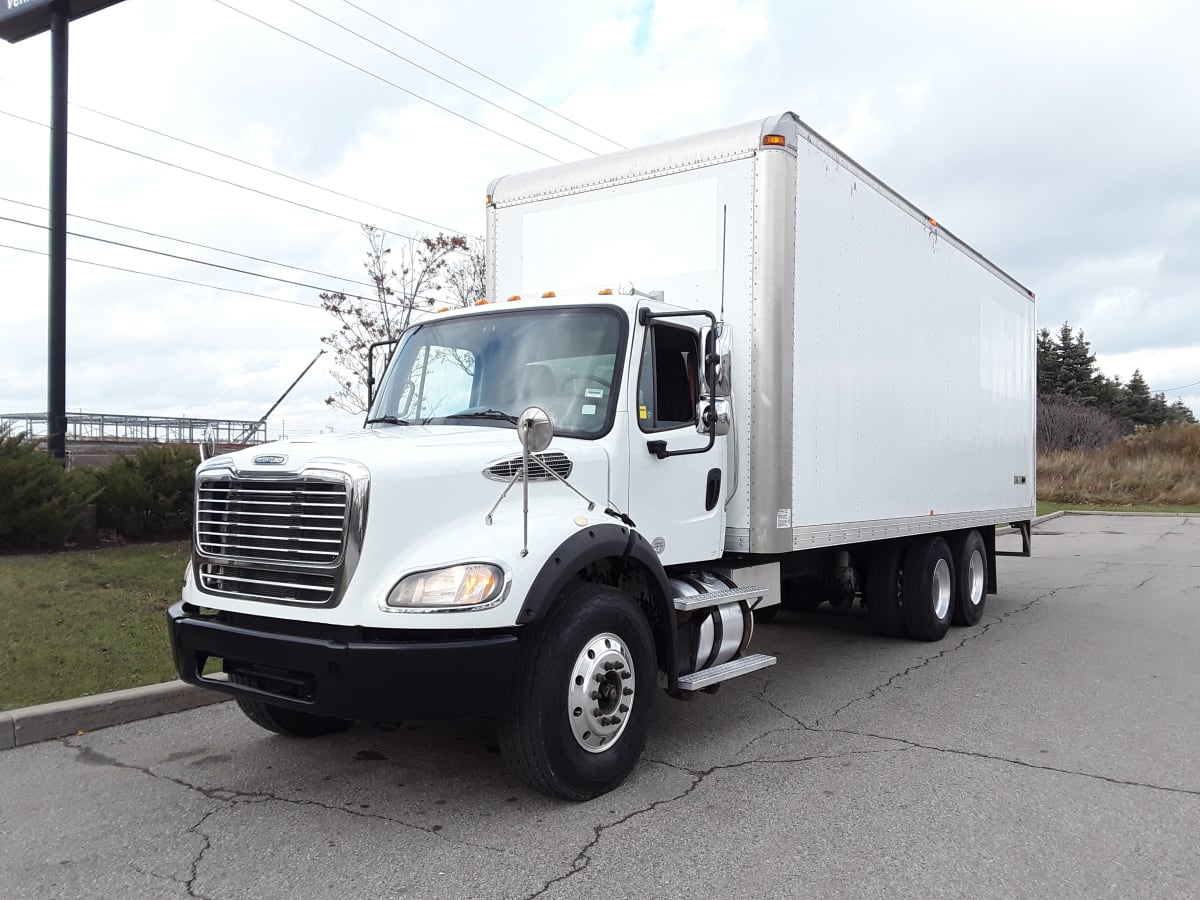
(715, 376)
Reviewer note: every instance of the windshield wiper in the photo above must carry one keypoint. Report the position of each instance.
(485, 414)
(390, 420)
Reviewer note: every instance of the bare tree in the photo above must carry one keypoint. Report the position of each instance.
(467, 276)
(424, 265)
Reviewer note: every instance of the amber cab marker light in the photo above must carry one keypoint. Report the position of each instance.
(932, 222)
(774, 140)
(443, 309)
(546, 295)
(514, 297)
(606, 292)
(482, 301)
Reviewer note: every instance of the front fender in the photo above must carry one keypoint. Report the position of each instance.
(611, 542)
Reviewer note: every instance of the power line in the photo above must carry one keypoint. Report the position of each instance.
(441, 78)
(1181, 387)
(459, 62)
(166, 237)
(405, 90)
(262, 168)
(88, 262)
(324, 212)
(199, 262)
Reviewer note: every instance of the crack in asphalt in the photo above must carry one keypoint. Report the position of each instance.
(817, 728)
(230, 798)
(583, 859)
(190, 884)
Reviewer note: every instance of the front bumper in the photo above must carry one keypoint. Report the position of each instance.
(350, 673)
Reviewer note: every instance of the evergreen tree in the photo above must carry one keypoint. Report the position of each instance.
(1047, 364)
(1077, 366)
(1136, 405)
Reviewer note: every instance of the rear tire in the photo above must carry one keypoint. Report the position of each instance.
(290, 722)
(883, 588)
(970, 578)
(927, 588)
(583, 694)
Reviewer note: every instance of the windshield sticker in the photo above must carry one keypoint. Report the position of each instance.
(593, 392)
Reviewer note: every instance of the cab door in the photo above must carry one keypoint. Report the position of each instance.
(676, 480)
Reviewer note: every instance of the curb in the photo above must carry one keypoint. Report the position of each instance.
(34, 724)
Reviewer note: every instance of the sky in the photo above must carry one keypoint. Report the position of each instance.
(1058, 138)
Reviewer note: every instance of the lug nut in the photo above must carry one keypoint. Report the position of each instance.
(608, 667)
(615, 720)
(623, 708)
(618, 665)
(596, 711)
(628, 692)
(595, 695)
(604, 721)
(623, 675)
(599, 677)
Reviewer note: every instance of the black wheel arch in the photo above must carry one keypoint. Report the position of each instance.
(605, 553)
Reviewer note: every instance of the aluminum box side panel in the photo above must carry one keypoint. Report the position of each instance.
(913, 374)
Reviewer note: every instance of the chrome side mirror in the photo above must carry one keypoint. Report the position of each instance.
(713, 411)
(534, 429)
(208, 443)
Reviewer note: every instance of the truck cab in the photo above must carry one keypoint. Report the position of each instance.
(430, 564)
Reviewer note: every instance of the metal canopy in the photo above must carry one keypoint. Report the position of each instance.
(20, 19)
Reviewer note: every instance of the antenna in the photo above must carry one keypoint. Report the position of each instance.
(724, 230)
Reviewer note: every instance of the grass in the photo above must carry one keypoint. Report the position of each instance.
(80, 623)
(1045, 507)
(1151, 471)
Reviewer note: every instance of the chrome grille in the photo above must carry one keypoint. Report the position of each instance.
(279, 539)
(555, 461)
(267, 584)
(300, 520)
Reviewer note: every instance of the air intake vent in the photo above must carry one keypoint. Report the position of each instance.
(540, 467)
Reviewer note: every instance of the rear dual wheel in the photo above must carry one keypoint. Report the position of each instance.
(917, 588)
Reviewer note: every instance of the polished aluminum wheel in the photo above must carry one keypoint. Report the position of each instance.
(941, 588)
(601, 692)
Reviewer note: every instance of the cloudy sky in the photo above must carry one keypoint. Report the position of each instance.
(1059, 138)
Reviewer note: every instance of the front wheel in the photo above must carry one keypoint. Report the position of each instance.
(290, 722)
(580, 708)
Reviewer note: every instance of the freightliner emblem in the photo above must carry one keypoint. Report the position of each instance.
(270, 460)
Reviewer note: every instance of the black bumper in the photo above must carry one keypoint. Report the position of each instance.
(350, 673)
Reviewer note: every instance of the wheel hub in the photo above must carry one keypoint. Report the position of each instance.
(601, 692)
(940, 588)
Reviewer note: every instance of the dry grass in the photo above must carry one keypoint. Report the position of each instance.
(1156, 466)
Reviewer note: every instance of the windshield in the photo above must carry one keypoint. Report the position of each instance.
(488, 368)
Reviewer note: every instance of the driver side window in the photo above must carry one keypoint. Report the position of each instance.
(669, 378)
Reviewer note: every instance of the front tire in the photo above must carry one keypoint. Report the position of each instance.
(927, 588)
(290, 722)
(580, 707)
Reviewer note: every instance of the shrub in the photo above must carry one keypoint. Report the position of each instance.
(41, 503)
(1066, 424)
(150, 492)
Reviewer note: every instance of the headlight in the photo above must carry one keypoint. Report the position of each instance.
(454, 587)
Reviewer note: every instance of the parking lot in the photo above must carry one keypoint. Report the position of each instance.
(1052, 751)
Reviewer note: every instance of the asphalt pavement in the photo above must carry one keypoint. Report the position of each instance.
(1052, 751)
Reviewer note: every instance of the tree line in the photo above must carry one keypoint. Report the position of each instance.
(1079, 406)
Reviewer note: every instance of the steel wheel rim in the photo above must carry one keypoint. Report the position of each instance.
(976, 578)
(939, 587)
(601, 692)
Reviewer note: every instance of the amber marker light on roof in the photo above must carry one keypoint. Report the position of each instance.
(482, 301)
(932, 222)
(443, 309)
(514, 297)
(606, 292)
(774, 140)
(546, 295)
